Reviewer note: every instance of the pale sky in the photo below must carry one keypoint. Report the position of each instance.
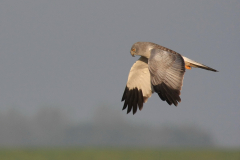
(76, 55)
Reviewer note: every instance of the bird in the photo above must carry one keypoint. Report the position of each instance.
(160, 70)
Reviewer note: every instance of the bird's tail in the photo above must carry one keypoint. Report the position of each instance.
(191, 63)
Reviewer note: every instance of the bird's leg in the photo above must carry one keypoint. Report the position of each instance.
(188, 67)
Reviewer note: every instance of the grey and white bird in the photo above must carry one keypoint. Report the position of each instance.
(159, 70)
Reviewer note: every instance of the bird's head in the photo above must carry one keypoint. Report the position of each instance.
(142, 49)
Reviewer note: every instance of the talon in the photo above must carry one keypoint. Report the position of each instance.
(188, 67)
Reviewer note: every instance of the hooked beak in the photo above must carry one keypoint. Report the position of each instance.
(132, 53)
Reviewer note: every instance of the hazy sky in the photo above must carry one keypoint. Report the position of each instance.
(76, 55)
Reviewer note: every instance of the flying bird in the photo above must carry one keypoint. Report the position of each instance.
(159, 70)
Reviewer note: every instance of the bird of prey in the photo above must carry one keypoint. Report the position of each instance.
(159, 70)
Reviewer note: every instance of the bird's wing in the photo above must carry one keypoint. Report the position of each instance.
(138, 88)
(167, 70)
(191, 63)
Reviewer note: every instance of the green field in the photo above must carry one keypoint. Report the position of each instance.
(119, 154)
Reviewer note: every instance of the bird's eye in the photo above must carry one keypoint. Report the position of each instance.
(134, 49)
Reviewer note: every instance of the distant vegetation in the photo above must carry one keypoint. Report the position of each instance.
(51, 127)
(118, 154)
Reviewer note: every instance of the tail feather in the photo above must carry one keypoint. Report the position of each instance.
(195, 64)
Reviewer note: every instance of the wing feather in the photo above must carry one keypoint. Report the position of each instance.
(140, 100)
(138, 88)
(167, 70)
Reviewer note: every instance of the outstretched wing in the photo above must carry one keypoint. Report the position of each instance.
(138, 88)
(167, 70)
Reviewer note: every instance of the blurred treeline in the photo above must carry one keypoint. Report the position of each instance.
(51, 126)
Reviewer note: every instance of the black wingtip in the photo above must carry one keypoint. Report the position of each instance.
(171, 96)
(133, 100)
